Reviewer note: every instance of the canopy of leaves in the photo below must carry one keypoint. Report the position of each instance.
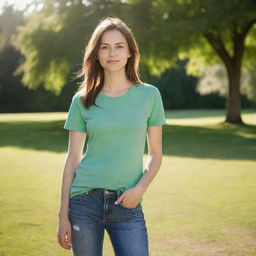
(179, 28)
(53, 38)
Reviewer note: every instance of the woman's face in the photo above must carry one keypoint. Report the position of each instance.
(114, 51)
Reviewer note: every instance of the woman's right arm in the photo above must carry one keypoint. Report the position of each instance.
(74, 156)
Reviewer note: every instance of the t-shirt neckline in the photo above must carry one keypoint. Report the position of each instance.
(118, 97)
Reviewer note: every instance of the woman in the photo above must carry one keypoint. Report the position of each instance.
(105, 188)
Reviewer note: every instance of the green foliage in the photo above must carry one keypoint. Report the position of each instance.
(50, 42)
(178, 90)
(178, 28)
(53, 40)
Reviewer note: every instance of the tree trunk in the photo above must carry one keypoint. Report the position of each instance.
(233, 64)
(233, 105)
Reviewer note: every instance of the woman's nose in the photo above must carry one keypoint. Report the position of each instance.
(112, 52)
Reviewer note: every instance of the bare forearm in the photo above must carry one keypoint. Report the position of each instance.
(67, 179)
(152, 166)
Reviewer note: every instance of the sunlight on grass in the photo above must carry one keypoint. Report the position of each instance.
(200, 117)
(45, 116)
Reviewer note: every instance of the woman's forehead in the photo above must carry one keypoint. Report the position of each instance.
(113, 37)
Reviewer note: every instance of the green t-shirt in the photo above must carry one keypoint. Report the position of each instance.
(117, 134)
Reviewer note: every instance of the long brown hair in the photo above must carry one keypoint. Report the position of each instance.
(93, 73)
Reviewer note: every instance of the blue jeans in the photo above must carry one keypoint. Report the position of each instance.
(92, 212)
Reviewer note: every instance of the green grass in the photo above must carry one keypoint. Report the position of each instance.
(201, 203)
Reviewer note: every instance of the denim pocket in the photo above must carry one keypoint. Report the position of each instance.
(119, 192)
(121, 205)
(78, 198)
(81, 197)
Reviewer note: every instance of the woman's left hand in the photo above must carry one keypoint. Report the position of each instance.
(131, 197)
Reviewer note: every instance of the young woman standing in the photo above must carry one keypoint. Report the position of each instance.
(104, 188)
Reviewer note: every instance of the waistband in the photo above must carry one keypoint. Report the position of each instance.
(106, 191)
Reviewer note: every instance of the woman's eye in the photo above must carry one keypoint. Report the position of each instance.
(104, 47)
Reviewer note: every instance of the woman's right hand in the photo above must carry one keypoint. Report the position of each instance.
(64, 233)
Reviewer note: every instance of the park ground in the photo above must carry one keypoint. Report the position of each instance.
(201, 203)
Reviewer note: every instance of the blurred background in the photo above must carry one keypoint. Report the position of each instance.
(201, 54)
(186, 48)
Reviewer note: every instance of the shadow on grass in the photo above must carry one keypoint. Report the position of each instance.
(202, 113)
(221, 141)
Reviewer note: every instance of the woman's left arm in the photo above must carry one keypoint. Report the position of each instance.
(154, 160)
(154, 139)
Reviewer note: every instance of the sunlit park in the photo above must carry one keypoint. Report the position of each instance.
(201, 55)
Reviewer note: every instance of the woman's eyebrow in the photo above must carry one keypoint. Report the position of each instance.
(116, 43)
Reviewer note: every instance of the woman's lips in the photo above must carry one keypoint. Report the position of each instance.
(112, 61)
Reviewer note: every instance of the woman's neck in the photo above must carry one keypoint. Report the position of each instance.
(116, 83)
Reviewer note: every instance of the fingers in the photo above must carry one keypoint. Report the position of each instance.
(64, 241)
(69, 239)
(119, 199)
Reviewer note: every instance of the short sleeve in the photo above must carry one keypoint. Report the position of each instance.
(75, 120)
(157, 116)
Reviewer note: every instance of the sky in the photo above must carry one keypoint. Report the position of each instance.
(18, 4)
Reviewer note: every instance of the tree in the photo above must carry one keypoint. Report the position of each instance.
(53, 39)
(206, 32)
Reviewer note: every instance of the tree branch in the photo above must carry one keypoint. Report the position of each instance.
(238, 41)
(218, 46)
(247, 27)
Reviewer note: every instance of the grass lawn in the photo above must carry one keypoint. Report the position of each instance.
(201, 203)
